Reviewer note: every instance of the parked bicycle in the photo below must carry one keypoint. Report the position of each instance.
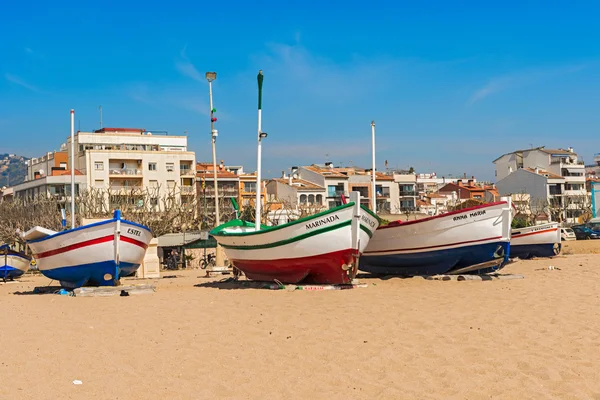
(209, 261)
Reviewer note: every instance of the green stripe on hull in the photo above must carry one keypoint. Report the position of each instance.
(290, 240)
(295, 238)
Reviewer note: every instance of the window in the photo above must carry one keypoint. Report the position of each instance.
(303, 199)
(320, 199)
(99, 183)
(170, 167)
(250, 187)
(152, 166)
(99, 166)
(311, 199)
(171, 185)
(63, 165)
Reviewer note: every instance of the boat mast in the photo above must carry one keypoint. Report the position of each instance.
(261, 135)
(373, 192)
(72, 169)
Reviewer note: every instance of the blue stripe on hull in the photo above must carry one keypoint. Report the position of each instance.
(91, 274)
(433, 262)
(7, 272)
(524, 251)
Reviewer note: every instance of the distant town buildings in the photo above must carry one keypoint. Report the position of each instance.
(554, 178)
(122, 159)
(544, 183)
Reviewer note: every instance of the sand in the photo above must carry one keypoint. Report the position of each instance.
(534, 338)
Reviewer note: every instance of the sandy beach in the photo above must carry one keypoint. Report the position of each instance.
(531, 338)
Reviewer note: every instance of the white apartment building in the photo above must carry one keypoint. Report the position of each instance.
(554, 178)
(49, 175)
(593, 170)
(327, 177)
(121, 160)
(407, 191)
(297, 193)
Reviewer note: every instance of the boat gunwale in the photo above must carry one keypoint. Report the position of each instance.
(89, 226)
(398, 223)
(526, 230)
(218, 231)
(14, 253)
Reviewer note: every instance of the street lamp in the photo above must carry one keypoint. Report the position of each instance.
(210, 77)
(261, 135)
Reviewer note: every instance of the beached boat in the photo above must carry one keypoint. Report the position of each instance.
(536, 241)
(95, 254)
(322, 249)
(475, 239)
(13, 263)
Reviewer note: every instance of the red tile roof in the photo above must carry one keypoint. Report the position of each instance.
(300, 184)
(545, 173)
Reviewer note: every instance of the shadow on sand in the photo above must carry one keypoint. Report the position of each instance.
(232, 284)
(40, 290)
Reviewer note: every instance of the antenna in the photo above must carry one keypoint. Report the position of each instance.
(100, 107)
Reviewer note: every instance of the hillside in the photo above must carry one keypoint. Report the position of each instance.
(12, 169)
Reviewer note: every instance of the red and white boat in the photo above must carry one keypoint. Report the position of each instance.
(468, 240)
(536, 241)
(96, 254)
(321, 249)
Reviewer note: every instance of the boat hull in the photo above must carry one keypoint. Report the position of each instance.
(92, 254)
(473, 240)
(536, 241)
(436, 262)
(317, 249)
(13, 264)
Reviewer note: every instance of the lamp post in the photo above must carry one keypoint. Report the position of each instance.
(210, 77)
(261, 136)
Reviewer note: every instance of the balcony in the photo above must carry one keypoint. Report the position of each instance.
(125, 172)
(186, 190)
(187, 172)
(210, 192)
(407, 193)
(126, 189)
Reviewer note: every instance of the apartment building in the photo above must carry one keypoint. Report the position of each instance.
(57, 185)
(124, 160)
(593, 170)
(43, 166)
(326, 176)
(554, 178)
(248, 189)
(49, 175)
(338, 181)
(407, 191)
(296, 192)
(228, 185)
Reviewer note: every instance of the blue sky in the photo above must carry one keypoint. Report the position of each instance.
(450, 85)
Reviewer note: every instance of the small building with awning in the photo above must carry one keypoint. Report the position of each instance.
(186, 243)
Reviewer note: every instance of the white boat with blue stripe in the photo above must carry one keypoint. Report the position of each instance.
(13, 263)
(94, 254)
(536, 241)
(475, 239)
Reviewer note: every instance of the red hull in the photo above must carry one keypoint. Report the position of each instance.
(321, 269)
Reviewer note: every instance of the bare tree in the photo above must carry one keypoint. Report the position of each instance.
(22, 214)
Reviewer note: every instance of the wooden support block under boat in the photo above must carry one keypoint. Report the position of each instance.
(113, 290)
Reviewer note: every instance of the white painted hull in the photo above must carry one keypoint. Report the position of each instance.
(319, 249)
(91, 253)
(12, 264)
(536, 241)
(449, 242)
